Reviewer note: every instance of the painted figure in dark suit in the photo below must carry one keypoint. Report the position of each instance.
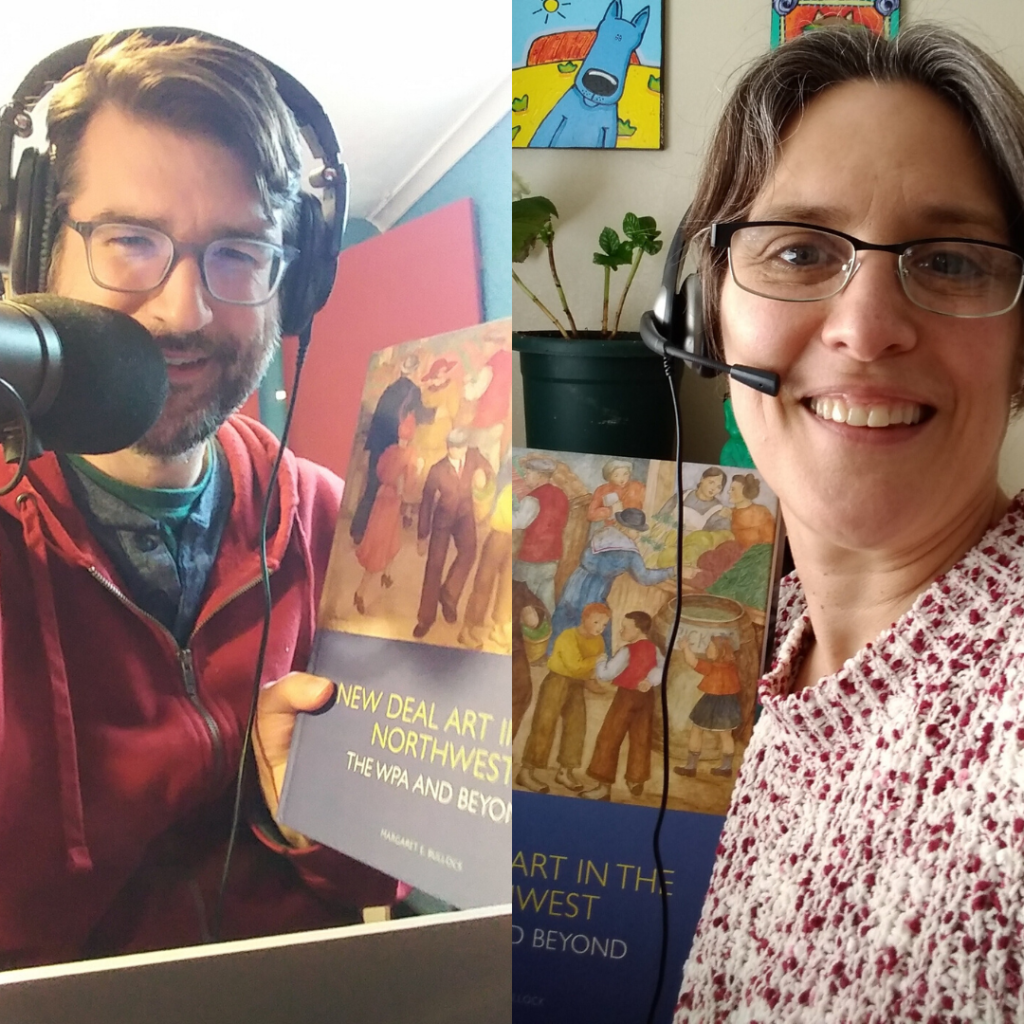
(400, 398)
(446, 515)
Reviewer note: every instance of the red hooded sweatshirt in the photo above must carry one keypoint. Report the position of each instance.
(118, 749)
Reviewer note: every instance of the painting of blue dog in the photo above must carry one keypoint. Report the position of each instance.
(587, 74)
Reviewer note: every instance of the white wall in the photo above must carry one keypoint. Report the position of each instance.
(397, 140)
(705, 46)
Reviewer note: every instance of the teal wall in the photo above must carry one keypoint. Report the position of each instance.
(485, 175)
(358, 230)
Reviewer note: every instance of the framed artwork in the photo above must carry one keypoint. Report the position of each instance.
(587, 74)
(791, 18)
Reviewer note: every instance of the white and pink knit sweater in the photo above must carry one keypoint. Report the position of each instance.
(871, 869)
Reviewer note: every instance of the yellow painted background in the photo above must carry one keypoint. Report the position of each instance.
(544, 84)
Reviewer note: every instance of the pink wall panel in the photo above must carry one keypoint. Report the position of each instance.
(413, 281)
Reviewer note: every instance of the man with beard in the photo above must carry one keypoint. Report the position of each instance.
(131, 611)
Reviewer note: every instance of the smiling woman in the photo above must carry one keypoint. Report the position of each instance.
(859, 224)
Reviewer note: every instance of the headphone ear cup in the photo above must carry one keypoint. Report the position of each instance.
(50, 225)
(309, 279)
(32, 234)
(691, 315)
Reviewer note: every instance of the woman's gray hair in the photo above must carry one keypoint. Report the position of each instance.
(744, 147)
(194, 85)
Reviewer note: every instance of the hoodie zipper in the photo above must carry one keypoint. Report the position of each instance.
(238, 593)
(189, 675)
(185, 661)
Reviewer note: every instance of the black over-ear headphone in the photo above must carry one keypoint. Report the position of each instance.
(675, 325)
(28, 224)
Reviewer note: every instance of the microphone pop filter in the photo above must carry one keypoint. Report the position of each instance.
(113, 380)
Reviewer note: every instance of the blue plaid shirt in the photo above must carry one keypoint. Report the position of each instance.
(164, 564)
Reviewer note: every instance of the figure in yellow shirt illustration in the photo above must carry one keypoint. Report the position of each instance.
(573, 662)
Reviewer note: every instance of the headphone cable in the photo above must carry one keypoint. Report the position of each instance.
(663, 806)
(243, 759)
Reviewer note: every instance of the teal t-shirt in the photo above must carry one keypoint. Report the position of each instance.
(168, 507)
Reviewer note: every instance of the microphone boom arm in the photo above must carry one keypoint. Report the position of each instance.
(764, 381)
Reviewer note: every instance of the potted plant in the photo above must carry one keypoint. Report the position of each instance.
(601, 390)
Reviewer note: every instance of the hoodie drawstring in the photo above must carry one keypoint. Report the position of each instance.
(72, 816)
(311, 583)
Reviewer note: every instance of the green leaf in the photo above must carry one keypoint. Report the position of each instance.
(626, 128)
(642, 232)
(566, 66)
(520, 103)
(531, 222)
(654, 83)
(617, 251)
(609, 241)
(516, 129)
(533, 208)
(614, 260)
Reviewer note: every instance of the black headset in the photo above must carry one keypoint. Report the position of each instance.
(28, 225)
(674, 326)
(677, 317)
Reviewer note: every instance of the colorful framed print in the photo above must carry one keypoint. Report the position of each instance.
(587, 74)
(792, 18)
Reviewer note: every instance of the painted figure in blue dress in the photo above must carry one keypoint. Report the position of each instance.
(611, 552)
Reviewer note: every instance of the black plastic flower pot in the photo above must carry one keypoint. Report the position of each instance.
(592, 394)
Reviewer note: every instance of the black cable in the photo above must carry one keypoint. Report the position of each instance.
(663, 807)
(26, 435)
(243, 758)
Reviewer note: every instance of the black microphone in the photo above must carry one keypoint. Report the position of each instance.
(764, 381)
(92, 379)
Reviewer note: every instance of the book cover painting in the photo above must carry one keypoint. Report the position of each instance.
(410, 769)
(792, 18)
(587, 74)
(594, 595)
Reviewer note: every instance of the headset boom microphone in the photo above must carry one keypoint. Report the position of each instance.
(675, 325)
(93, 379)
(764, 381)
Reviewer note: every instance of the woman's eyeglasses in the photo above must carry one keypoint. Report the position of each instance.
(796, 262)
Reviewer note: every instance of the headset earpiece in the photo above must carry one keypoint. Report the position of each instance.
(693, 338)
(675, 325)
(677, 317)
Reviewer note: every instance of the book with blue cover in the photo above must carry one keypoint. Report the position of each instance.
(410, 769)
(594, 596)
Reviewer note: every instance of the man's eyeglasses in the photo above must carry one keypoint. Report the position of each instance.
(803, 263)
(133, 258)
